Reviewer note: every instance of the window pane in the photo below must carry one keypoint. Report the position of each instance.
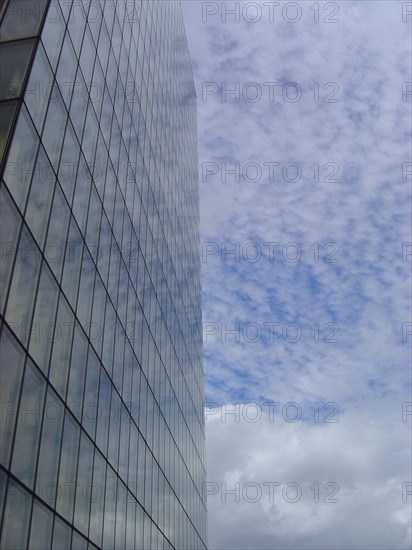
(54, 126)
(110, 509)
(7, 110)
(72, 263)
(104, 248)
(9, 231)
(139, 527)
(68, 463)
(78, 105)
(114, 430)
(90, 136)
(99, 301)
(77, 372)
(62, 344)
(143, 404)
(148, 481)
(97, 87)
(38, 88)
(103, 411)
(76, 24)
(141, 468)
(19, 164)
(131, 519)
(114, 267)
(14, 60)
(81, 195)
(40, 197)
(97, 500)
(11, 371)
(62, 535)
(28, 425)
(50, 448)
(41, 527)
(109, 334)
(24, 281)
(16, 517)
(122, 296)
(121, 515)
(53, 32)
(84, 301)
(84, 481)
(124, 426)
(147, 529)
(3, 483)
(66, 70)
(22, 19)
(44, 319)
(57, 233)
(93, 223)
(118, 363)
(127, 376)
(65, 8)
(90, 404)
(87, 55)
(78, 542)
(132, 473)
(69, 162)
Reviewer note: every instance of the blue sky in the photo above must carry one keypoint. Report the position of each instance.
(320, 104)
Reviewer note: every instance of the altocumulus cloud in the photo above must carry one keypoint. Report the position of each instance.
(314, 173)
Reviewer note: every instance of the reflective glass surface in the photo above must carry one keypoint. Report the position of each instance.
(101, 342)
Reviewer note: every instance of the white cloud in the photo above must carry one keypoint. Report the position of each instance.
(363, 460)
(367, 294)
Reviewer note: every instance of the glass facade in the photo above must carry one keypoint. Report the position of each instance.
(102, 428)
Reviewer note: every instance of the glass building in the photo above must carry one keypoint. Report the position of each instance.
(102, 429)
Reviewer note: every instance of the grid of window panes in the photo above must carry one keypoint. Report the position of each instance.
(102, 428)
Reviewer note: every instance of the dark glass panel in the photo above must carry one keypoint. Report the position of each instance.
(103, 414)
(111, 496)
(53, 32)
(54, 126)
(77, 372)
(121, 511)
(84, 301)
(11, 371)
(59, 366)
(76, 24)
(66, 70)
(7, 112)
(72, 263)
(16, 517)
(57, 233)
(81, 194)
(84, 484)
(40, 198)
(23, 287)
(97, 499)
(68, 466)
(22, 19)
(50, 448)
(62, 535)
(20, 161)
(14, 60)
(43, 332)
(29, 423)
(9, 231)
(90, 403)
(41, 527)
(38, 89)
(69, 162)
